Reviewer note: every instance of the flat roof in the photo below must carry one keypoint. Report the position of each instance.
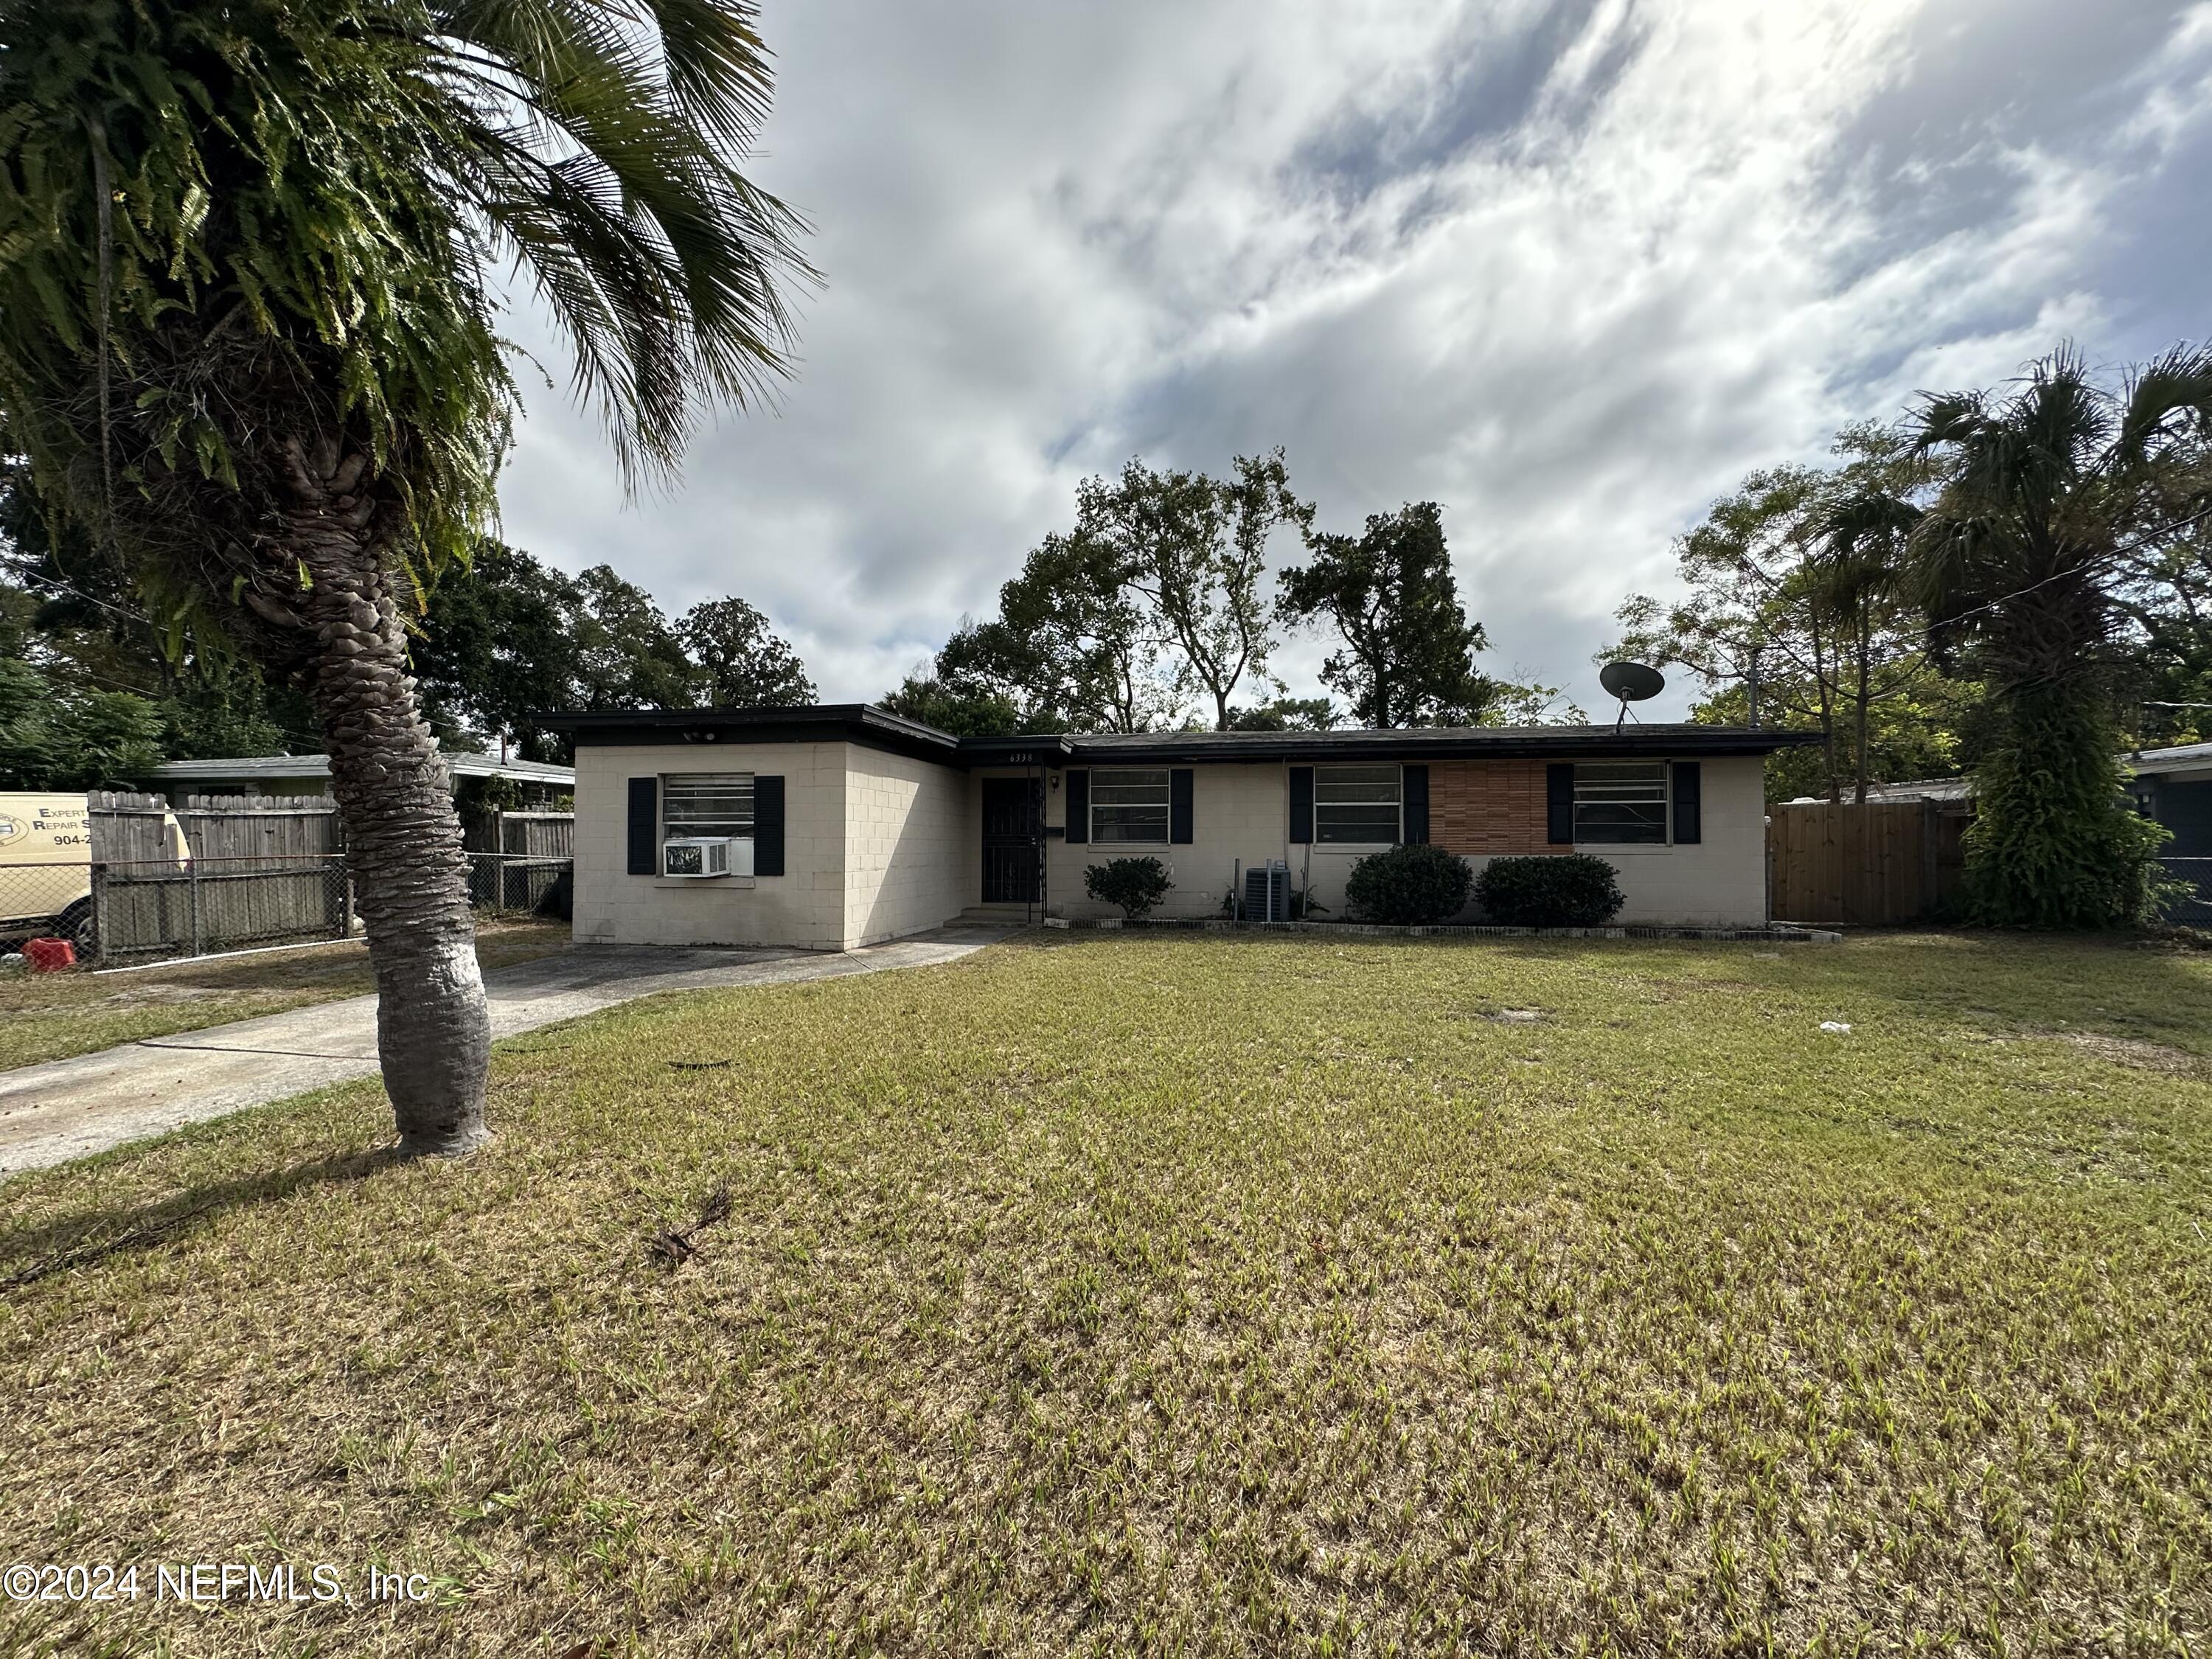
(2184, 760)
(813, 722)
(866, 724)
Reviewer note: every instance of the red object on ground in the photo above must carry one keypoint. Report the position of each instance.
(47, 956)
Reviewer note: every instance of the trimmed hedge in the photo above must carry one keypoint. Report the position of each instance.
(1414, 886)
(1562, 889)
(1136, 885)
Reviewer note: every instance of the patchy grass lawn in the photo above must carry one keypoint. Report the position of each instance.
(53, 1016)
(1183, 1295)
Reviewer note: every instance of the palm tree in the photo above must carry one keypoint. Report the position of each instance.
(2045, 492)
(247, 302)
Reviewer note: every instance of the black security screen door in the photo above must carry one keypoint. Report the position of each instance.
(1013, 823)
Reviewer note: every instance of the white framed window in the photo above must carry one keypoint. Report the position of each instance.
(707, 804)
(1620, 803)
(1357, 805)
(1130, 805)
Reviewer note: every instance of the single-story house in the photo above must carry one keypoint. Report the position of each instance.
(836, 826)
(2175, 786)
(540, 783)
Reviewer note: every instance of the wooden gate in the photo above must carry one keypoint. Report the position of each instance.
(1881, 865)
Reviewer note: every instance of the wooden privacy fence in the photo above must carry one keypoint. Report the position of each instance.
(1881, 865)
(267, 870)
(261, 869)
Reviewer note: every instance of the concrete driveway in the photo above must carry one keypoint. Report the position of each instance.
(68, 1109)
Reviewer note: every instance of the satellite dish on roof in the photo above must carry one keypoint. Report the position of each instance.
(1631, 682)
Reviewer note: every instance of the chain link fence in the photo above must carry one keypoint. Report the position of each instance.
(117, 912)
(517, 883)
(2196, 910)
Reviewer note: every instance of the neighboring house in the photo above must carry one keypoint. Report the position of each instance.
(845, 824)
(2175, 786)
(310, 775)
(1922, 789)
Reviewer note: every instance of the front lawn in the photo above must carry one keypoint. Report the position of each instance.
(1183, 1294)
(52, 1016)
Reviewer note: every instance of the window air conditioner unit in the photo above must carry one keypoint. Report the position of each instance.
(707, 855)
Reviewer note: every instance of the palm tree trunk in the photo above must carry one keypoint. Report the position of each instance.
(403, 836)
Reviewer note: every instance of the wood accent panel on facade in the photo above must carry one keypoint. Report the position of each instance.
(1488, 808)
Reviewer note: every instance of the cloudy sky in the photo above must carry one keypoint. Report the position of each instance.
(1570, 269)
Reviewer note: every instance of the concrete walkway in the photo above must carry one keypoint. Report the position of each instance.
(68, 1109)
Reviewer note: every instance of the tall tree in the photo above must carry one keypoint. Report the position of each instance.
(2047, 490)
(628, 654)
(1194, 548)
(2166, 593)
(740, 662)
(500, 643)
(964, 711)
(1408, 652)
(77, 621)
(246, 341)
(55, 738)
(1794, 590)
(1856, 595)
(1287, 715)
(1073, 647)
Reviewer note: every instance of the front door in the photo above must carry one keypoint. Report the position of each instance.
(1013, 825)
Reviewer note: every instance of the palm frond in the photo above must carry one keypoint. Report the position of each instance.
(2164, 395)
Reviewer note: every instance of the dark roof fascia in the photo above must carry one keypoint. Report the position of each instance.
(878, 728)
(1555, 742)
(1045, 748)
(846, 722)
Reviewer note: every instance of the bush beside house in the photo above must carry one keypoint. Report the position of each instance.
(1136, 885)
(1571, 890)
(1411, 887)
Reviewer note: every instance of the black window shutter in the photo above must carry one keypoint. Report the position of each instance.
(1689, 803)
(1079, 806)
(1179, 806)
(1417, 805)
(1302, 804)
(768, 826)
(1560, 803)
(644, 826)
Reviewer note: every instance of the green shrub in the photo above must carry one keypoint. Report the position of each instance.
(1136, 885)
(1415, 886)
(1560, 889)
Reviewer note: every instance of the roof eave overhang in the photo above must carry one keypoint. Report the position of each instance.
(1565, 743)
(860, 723)
(865, 724)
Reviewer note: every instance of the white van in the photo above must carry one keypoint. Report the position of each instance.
(46, 868)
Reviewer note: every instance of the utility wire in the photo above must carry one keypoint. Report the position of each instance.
(2128, 547)
(30, 573)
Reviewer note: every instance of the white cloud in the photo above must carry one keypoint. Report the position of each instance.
(1571, 269)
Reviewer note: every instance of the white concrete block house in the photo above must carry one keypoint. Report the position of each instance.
(843, 825)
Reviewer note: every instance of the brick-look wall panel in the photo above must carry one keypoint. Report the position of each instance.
(1488, 809)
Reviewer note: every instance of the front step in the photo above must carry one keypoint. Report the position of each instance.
(998, 915)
